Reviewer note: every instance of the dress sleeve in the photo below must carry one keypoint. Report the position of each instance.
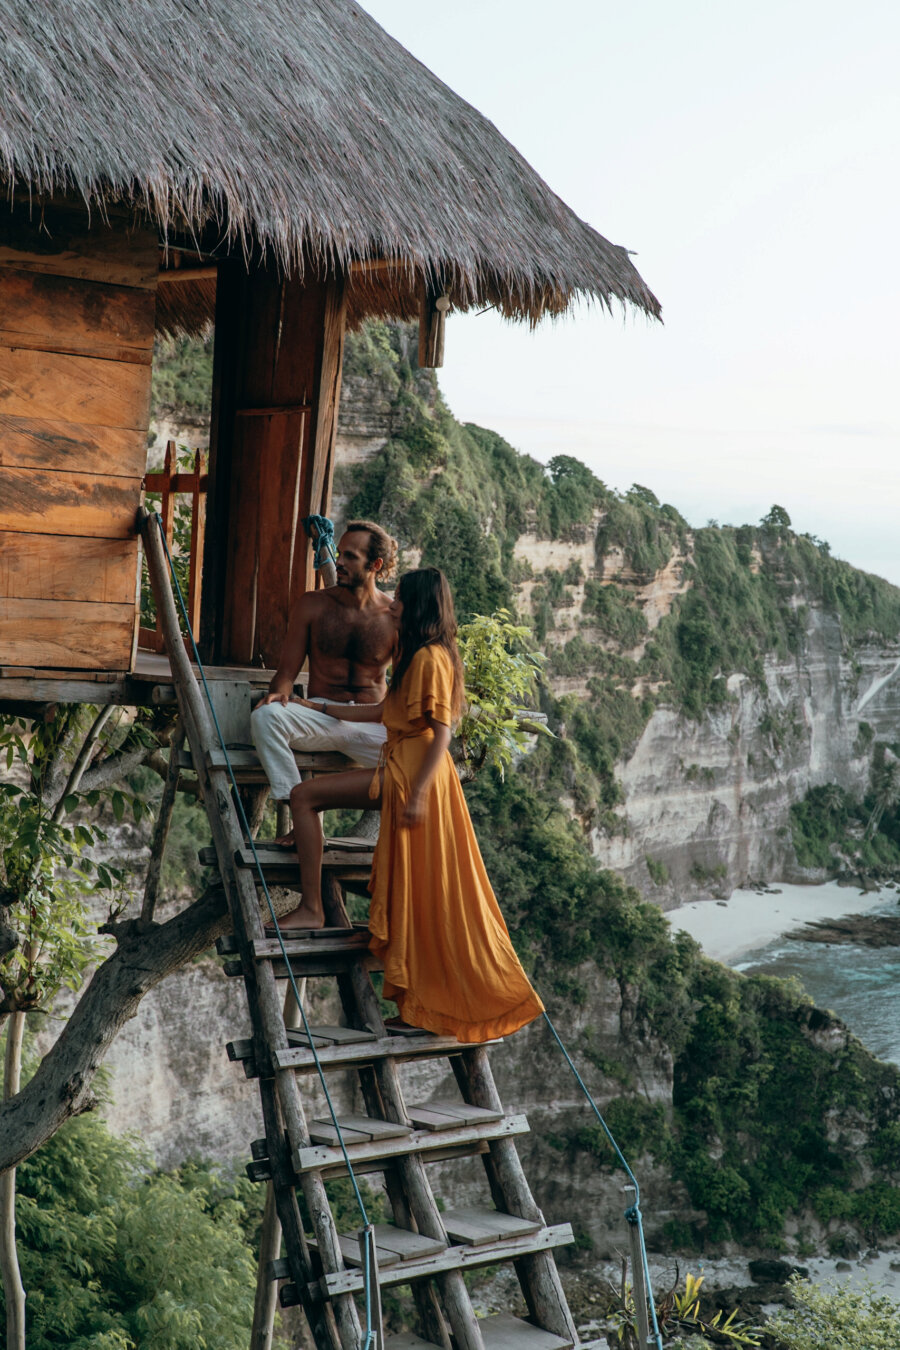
(428, 686)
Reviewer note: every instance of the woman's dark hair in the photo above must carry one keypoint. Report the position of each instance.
(428, 619)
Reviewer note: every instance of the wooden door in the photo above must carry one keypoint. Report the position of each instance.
(276, 386)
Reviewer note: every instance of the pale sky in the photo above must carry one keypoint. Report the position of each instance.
(750, 156)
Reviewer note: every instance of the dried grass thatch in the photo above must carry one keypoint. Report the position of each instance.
(297, 128)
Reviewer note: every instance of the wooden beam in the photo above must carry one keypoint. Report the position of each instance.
(57, 314)
(62, 567)
(206, 272)
(54, 386)
(67, 242)
(36, 502)
(71, 636)
(45, 443)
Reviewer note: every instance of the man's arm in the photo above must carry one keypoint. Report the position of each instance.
(294, 652)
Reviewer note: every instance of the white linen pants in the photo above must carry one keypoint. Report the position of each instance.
(278, 730)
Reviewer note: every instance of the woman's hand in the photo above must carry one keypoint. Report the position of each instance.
(413, 812)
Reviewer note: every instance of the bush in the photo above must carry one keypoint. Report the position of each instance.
(115, 1255)
(835, 1317)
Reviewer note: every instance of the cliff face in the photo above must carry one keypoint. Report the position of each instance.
(704, 797)
(710, 799)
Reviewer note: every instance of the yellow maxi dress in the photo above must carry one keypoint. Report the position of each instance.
(448, 961)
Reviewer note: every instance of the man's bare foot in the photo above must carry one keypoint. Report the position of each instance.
(286, 840)
(302, 919)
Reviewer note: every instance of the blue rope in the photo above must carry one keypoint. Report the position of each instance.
(633, 1212)
(370, 1330)
(325, 550)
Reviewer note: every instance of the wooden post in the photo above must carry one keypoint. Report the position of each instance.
(13, 1289)
(433, 307)
(638, 1278)
(270, 1234)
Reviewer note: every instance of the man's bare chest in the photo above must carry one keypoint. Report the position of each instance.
(357, 638)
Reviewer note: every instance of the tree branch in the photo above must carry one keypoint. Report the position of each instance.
(146, 954)
(84, 755)
(115, 768)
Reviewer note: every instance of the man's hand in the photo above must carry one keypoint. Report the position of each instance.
(278, 697)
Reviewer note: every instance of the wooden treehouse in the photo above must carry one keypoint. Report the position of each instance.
(281, 172)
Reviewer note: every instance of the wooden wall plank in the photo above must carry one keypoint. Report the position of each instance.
(74, 388)
(278, 491)
(31, 443)
(69, 243)
(73, 315)
(57, 567)
(68, 503)
(63, 635)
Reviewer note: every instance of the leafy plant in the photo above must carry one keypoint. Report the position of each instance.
(500, 679)
(678, 1314)
(835, 1317)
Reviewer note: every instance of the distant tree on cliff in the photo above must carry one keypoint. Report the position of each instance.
(776, 517)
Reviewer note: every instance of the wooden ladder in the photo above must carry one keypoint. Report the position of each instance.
(423, 1247)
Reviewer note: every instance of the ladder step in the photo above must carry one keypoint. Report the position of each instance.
(500, 1332)
(329, 1035)
(279, 865)
(356, 1130)
(444, 1115)
(388, 1047)
(330, 1158)
(247, 768)
(332, 941)
(457, 1258)
(477, 1226)
(335, 963)
(393, 1246)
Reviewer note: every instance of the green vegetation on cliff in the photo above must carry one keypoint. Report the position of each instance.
(463, 497)
(750, 1149)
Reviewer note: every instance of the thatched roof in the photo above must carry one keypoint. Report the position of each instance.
(298, 128)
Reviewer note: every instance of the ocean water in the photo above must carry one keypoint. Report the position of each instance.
(861, 984)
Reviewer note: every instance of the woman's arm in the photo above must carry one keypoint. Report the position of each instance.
(414, 811)
(345, 712)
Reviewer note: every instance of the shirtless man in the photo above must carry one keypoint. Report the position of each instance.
(348, 635)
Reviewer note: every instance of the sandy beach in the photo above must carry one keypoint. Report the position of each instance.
(726, 930)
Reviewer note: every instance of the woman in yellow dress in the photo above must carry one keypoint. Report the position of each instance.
(448, 960)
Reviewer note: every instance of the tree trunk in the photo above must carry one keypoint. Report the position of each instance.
(13, 1290)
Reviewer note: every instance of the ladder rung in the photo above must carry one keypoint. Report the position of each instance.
(281, 862)
(356, 1129)
(388, 1047)
(444, 1115)
(247, 768)
(335, 964)
(329, 1035)
(502, 1331)
(455, 1258)
(393, 1246)
(417, 1141)
(374, 1166)
(315, 943)
(475, 1226)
